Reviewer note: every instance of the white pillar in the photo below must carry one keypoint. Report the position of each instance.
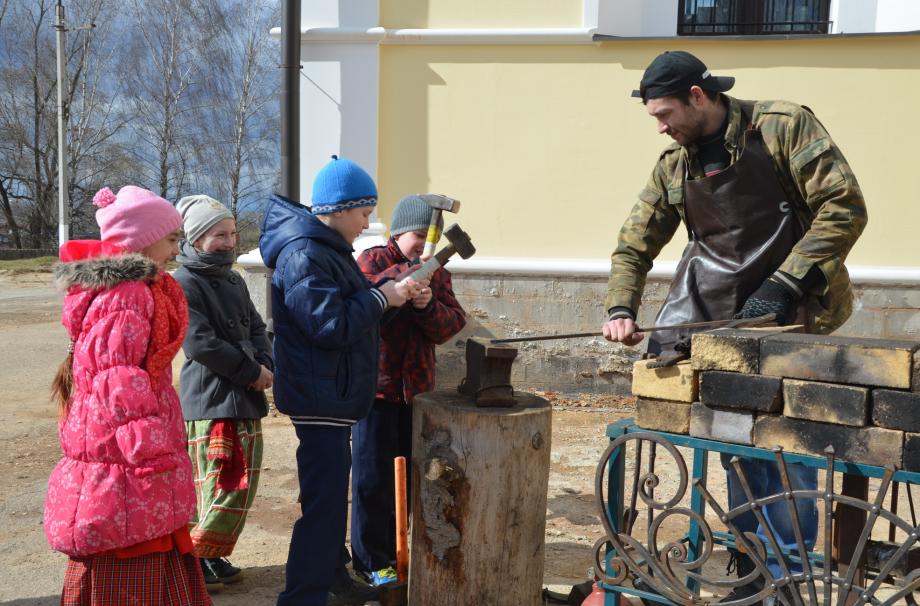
(631, 17)
(339, 96)
(852, 16)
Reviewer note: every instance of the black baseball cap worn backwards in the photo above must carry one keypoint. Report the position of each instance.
(674, 72)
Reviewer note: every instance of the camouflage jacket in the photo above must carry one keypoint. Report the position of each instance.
(812, 171)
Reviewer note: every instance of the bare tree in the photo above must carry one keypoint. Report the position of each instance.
(6, 180)
(41, 217)
(238, 102)
(93, 106)
(169, 94)
(159, 77)
(29, 150)
(11, 222)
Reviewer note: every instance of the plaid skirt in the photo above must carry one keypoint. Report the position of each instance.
(156, 579)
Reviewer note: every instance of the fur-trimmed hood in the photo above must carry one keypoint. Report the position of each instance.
(104, 272)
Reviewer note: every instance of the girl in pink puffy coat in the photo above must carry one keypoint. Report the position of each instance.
(120, 499)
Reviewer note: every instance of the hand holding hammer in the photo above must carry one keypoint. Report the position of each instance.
(412, 282)
(399, 291)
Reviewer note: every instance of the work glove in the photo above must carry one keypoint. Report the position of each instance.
(682, 346)
(779, 295)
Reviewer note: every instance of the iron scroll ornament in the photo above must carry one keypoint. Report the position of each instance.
(668, 572)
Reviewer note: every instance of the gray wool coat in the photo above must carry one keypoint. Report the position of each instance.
(226, 341)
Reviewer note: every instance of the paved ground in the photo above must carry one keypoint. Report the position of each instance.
(32, 344)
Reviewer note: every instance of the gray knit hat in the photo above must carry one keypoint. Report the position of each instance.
(199, 214)
(411, 214)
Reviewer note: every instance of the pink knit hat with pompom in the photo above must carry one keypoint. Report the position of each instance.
(135, 218)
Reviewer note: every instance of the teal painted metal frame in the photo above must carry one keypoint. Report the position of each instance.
(701, 448)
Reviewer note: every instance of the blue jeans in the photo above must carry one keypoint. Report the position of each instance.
(764, 479)
(315, 560)
(384, 434)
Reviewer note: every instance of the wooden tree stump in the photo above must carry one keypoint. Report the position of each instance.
(479, 484)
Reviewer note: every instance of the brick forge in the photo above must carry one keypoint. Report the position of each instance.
(773, 387)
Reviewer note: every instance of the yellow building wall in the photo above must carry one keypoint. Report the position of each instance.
(480, 13)
(547, 151)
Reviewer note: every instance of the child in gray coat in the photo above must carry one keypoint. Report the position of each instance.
(227, 368)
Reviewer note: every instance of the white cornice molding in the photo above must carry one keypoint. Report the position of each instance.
(589, 268)
(471, 36)
(558, 35)
(338, 35)
(600, 268)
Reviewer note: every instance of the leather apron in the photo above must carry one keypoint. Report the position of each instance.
(741, 227)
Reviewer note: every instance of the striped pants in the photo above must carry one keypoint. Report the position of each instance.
(221, 515)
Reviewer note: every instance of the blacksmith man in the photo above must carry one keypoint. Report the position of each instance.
(771, 208)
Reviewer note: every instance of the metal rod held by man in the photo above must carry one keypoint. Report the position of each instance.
(738, 323)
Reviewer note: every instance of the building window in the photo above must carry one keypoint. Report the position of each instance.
(752, 17)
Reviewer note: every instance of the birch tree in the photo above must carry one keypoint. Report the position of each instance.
(162, 70)
(239, 151)
(28, 113)
(166, 94)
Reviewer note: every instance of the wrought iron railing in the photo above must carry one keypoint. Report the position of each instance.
(758, 28)
(681, 571)
(752, 17)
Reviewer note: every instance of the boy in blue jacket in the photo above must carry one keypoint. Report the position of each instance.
(326, 316)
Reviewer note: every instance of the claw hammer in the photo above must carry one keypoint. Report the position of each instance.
(439, 204)
(459, 244)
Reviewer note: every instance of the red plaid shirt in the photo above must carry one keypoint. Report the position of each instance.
(408, 336)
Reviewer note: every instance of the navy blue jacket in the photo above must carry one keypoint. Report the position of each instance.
(326, 319)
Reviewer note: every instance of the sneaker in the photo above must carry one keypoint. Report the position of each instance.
(350, 593)
(221, 569)
(380, 577)
(211, 583)
(744, 592)
(641, 585)
(742, 565)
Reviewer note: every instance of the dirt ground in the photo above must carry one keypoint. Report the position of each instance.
(32, 344)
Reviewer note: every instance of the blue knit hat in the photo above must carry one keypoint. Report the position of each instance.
(342, 185)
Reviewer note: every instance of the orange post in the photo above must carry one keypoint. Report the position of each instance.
(402, 521)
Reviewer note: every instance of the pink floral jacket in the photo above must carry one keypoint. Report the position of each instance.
(125, 476)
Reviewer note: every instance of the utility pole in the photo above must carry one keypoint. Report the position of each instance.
(63, 121)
